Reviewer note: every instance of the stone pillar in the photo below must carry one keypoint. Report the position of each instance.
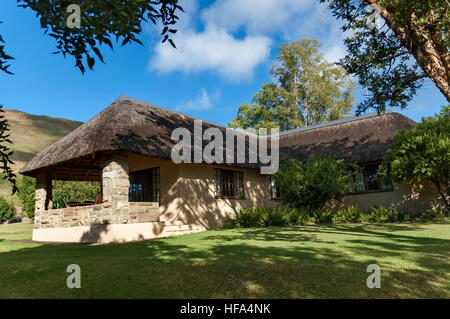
(43, 194)
(115, 180)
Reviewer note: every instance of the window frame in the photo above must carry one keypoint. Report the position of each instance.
(363, 169)
(154, 184)
(273, 185)
(218, 183)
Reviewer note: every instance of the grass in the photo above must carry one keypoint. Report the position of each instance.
(322, 261)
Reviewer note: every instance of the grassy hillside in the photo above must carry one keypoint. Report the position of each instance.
(31, 134)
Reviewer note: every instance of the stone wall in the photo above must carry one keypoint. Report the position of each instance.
(106, 213)
(115, 180)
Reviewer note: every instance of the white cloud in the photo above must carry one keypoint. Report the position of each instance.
(211, 42)
(213, 49)
(200, 103)
(257, 16)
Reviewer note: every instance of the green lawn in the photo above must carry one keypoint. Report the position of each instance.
(324, 261)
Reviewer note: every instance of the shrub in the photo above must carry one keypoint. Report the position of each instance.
(7, 210)
(381, 214)
(431, 215)
(321, 216)
(66, 192)
(295, 216)
(311, 184)
(349, 214)
(267, 217)
(27, 187)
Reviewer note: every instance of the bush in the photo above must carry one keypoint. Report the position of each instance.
(313, 183)
(66, 192)
(349, 214)
(286, 216)
(431, 215)
(295, 216)
(381, 214)
(7, 210)
(279, 216)
(321, 216)
(27, 187)
(259, 217)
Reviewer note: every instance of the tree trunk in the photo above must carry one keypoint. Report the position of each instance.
(443, 194)
(434, 59)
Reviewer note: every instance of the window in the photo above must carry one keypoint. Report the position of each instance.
(366, 179)
(144, 186)
(228, 184)
(274, 188)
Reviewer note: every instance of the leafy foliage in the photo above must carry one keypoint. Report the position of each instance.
(26, 193)
(6, 152)
(63, 193)
(422, 154)
(307, 90)
(392, 59)
(283, 216)
(382, 214)
(101, 23)
(349, 214)
(269, 216)
(313, 183)
(7, 210)
(4, 66)
(66, 192)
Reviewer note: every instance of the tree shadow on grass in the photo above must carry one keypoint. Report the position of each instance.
(292, 262)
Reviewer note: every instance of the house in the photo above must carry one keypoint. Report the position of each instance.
(127, 148)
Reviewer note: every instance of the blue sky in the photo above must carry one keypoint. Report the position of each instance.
(225, 52)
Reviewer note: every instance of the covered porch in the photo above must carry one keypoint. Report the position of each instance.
(114, 206)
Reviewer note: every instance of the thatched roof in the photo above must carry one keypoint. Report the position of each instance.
(355, 140)
(129, 125)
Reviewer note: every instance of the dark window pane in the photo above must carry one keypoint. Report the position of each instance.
(228, 183)
(145, 186)
(275, 188)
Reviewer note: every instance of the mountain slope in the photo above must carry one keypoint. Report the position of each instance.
(30, 135)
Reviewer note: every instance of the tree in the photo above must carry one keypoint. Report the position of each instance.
(422, 154)
(63, 193)
(5, 152)
(392, 60)
(307, 90)
(313, 183)
(66, 192)
(26, 193)
(7, 210)
(100, 22)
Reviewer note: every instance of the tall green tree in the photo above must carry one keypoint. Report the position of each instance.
(393, 58)
(306, 90)
(422, 154)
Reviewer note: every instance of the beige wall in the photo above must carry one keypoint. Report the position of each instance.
(187, 192)
(409, 197)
